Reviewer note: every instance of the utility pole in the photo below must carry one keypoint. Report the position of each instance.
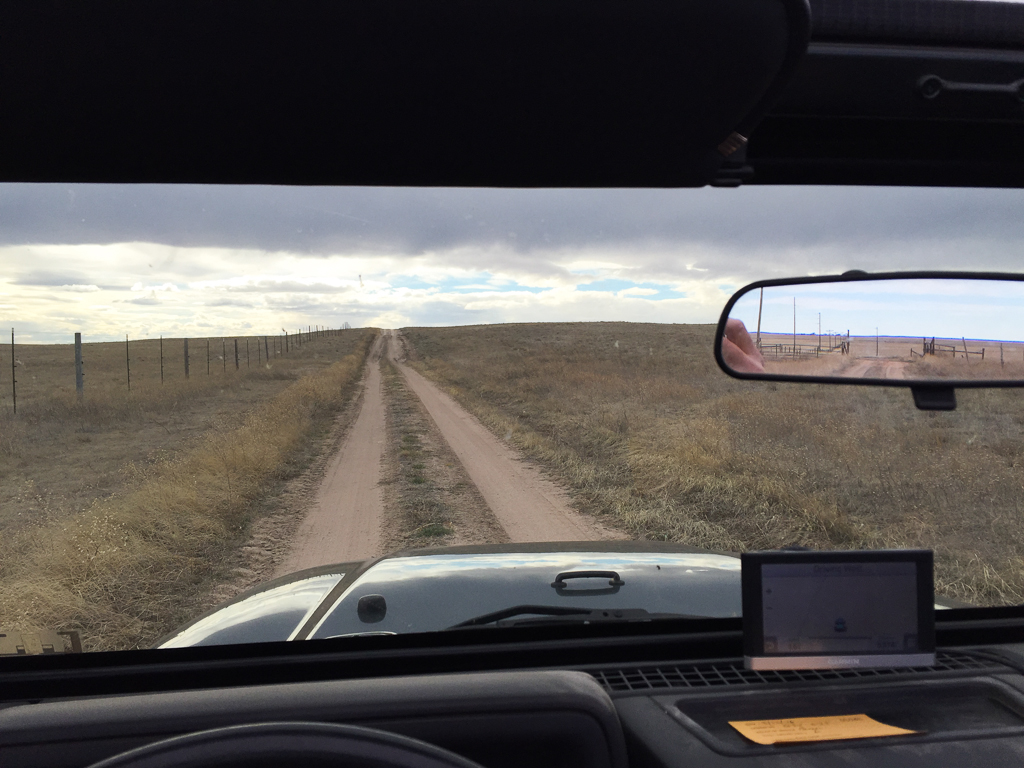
(794, 327)
(760, 306)
(876, 341)
(819, 331)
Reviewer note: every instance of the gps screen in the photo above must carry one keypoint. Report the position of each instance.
(832, 608)
(829, 610)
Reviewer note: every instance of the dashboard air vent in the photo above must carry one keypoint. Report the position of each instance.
(731, 672)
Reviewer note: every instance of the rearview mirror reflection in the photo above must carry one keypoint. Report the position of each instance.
(895, 329)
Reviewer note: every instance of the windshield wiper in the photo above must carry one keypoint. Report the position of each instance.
(551, 613)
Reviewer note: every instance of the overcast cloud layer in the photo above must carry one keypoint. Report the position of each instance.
(211, 261)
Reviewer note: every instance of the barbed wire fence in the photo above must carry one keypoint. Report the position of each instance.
(267, 348)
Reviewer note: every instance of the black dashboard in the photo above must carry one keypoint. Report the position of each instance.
(624, 703)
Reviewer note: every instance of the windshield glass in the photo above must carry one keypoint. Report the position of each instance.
(204, 390)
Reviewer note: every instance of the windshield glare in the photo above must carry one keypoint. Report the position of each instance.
(204, 388)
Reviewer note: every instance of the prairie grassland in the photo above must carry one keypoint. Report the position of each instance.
(59, 454)
(648, 434)
(124, 567)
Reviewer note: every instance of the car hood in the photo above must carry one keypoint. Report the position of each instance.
(433, 589)
(427, 592)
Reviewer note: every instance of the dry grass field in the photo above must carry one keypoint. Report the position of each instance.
(117, 509)
(650, 436)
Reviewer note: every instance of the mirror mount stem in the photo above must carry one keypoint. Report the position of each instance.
(934, 398)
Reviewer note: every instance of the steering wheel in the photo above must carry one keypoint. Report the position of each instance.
(285, 744)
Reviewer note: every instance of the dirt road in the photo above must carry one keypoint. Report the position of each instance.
(346, 518)
(875, 369)
(344, 521)
(528, 506)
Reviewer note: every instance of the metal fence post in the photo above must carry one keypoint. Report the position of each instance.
(14, 377)
(79, 383)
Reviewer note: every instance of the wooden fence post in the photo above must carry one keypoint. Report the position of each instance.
(161, 359)
(236, 354)
(79, 383)
(266, 348)
(247, 352)
(224, 354)
(186, 358)
(128, 362)
(207, 357)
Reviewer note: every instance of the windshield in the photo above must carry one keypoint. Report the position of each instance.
(205, 390)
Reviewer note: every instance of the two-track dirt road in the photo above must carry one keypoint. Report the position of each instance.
(345, 520)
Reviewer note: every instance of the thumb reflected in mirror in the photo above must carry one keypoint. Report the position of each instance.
(739, 351)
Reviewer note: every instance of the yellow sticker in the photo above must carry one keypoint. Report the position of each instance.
(815, 729)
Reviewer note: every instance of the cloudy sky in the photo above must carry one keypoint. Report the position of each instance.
(212, 261)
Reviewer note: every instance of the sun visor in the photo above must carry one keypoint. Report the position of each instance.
(512, 93)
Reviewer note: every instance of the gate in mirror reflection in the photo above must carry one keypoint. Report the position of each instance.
(919, 329)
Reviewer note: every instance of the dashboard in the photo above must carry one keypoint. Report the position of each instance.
(653, 711)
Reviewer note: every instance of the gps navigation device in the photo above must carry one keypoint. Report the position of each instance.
(836, 610)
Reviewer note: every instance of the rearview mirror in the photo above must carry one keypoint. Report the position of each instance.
(930, 331)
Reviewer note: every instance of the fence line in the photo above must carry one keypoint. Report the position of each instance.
(282, 346)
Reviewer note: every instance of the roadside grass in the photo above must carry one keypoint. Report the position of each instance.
(60, 454)
(124, 570)
(648, 434)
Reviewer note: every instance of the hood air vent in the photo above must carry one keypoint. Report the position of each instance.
(725, 673)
